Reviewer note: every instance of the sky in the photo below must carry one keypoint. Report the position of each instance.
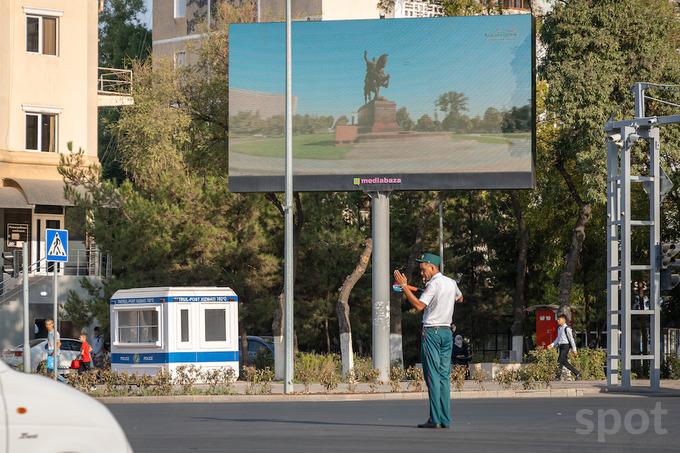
(146, 17)
(488, 58)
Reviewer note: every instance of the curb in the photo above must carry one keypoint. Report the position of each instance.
(269, 398)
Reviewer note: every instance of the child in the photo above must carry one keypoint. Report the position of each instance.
(85, 357)
(565, 339)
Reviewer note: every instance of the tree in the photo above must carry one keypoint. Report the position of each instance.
(342, 307)
(123, 39)
(453, 104)
(174, 221)
(425, 124)
(593, 56)
(404, 119)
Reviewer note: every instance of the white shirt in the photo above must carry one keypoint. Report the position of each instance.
(440, 296)
(565, 336)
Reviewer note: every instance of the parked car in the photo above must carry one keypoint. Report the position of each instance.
(70, 350)
(258, 345)
(41, 415)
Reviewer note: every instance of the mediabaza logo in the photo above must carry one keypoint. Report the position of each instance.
(376, 180)
(502, 35)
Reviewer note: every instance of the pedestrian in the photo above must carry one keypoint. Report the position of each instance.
(564, 342)
(53, 348)
(85, 354)
(437, 301)
(98, 348)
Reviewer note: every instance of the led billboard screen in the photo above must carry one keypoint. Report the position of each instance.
(395, 104)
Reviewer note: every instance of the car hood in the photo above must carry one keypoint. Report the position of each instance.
(57, 403)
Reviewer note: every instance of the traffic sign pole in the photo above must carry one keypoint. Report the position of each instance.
(55, 315)
(27, 324)
(56, 244)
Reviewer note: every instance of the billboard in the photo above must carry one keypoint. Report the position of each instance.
(396, 104)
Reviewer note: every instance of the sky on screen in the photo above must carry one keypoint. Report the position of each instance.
(488, 58)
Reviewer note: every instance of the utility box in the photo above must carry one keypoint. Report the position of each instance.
(546, 326)
(164, 328)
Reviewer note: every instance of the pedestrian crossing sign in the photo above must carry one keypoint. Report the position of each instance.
(56, 242)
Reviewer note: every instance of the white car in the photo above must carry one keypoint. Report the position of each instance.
(40, 415)
(70, 350)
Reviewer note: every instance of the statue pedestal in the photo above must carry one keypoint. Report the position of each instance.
(378, 115)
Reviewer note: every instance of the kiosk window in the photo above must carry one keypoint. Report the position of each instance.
(216, 324)
(184, 329)
(138, 326)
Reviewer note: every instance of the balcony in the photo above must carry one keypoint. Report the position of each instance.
(114, 87)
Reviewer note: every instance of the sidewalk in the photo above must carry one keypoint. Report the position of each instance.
(363, 392)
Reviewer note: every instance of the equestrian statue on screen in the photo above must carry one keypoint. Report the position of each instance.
(375, 77)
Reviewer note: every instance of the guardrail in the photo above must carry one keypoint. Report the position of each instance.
(114, 81)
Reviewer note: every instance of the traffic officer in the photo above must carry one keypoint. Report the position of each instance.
(437, 300)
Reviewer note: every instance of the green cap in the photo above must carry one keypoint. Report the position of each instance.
(430, 258)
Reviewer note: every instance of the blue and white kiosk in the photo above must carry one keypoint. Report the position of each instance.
(154, 328)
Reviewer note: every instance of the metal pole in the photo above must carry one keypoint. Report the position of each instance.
(27, 345)
(441, 235)
(55, 315)
(381, 284)
(613, 267)
(626, 325)
(654, 246)
(639, 93)
(288, 254)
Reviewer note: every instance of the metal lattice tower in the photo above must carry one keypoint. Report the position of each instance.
(622, 136)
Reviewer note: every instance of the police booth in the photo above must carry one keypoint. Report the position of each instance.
(164, 328)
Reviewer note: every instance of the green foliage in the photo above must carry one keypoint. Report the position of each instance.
(590, 363)
(540, 370)
(672, 367)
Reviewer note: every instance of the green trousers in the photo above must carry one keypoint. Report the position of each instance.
(436, 346)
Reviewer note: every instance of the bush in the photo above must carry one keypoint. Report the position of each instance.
(672, 367)
(321, 368)
(397, 374)
(590, 363)
(186, 377)
(480, 377)
(363, 368)
(507, 378)
(220, 381)
(415, 378)
(541, 368)
(458, 373)
(373, 379)
(260, 380)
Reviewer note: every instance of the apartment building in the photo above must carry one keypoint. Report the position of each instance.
(50, 90)
(178, 23)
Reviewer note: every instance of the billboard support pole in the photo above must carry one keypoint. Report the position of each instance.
(380, 220)
(288, 252)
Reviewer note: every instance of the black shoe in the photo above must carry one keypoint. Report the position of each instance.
(429, 424)
(577, 377)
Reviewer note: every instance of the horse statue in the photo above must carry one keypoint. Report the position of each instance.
(375, 77)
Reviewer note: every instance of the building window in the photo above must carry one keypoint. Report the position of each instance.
(180, 59)
(138, 326)
(184, 325)
(41, 132)
(41, 34)
(180, 8)
(216, 324)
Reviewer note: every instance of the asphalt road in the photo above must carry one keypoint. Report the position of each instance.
(484, 425)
